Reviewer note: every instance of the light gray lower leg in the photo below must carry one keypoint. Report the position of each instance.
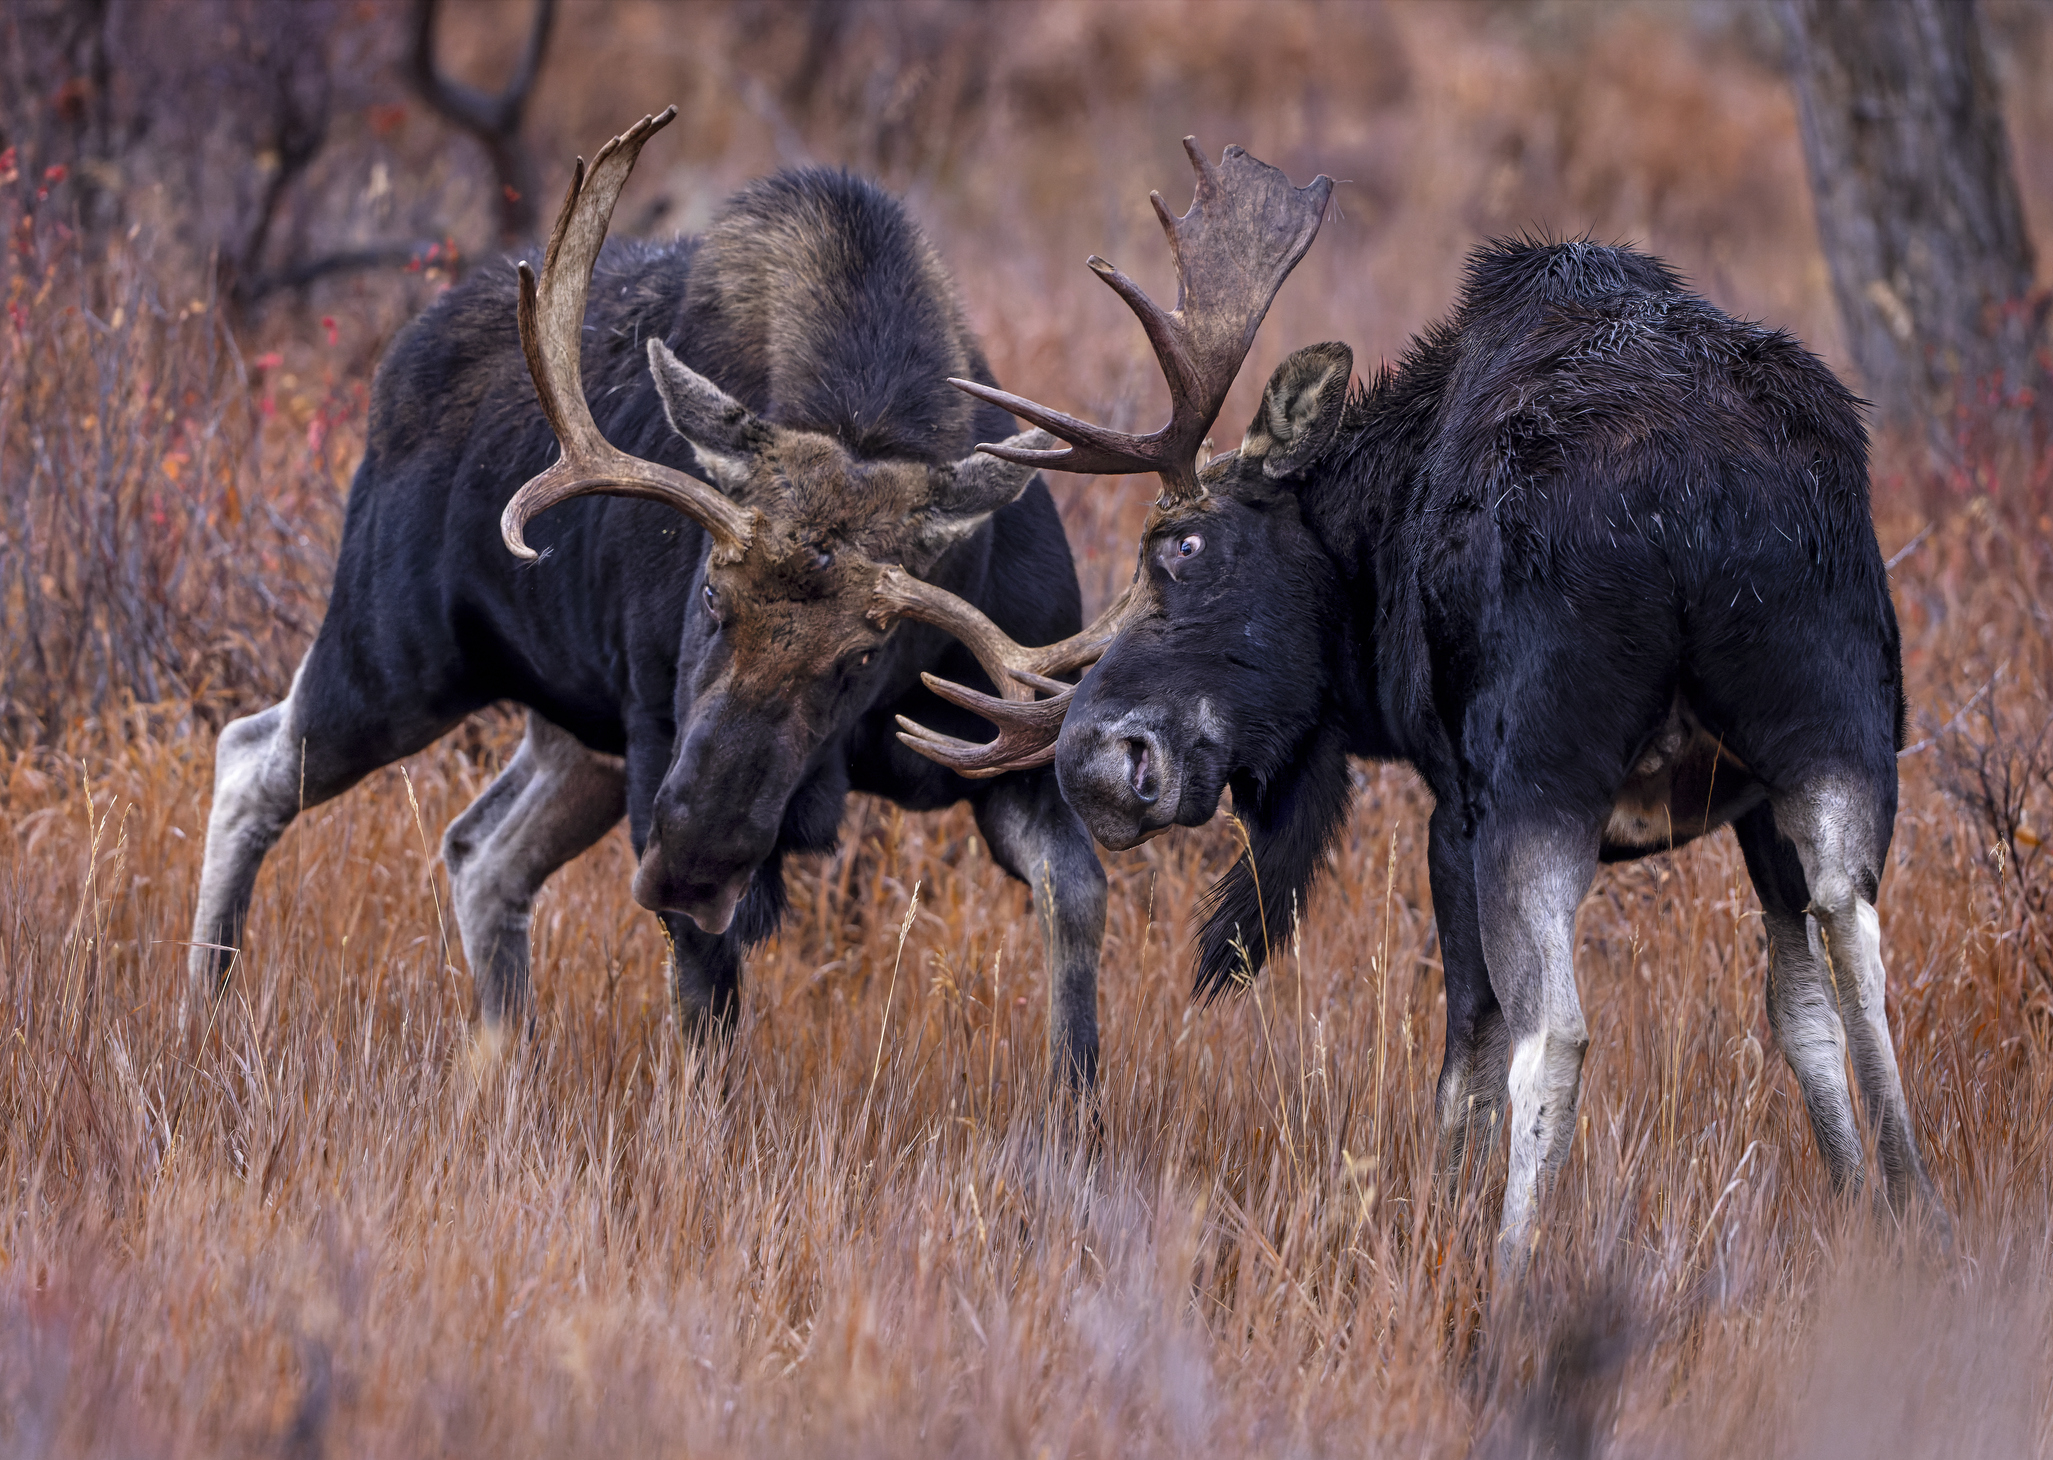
(1036, 837)
(553, 800)
(1474, 1086)
(256, 795)
(1832, 825)
(1852, 939)
(1805, 1015)
(1529, 884)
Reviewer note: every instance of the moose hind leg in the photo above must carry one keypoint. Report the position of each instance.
(1530, 877)
(1036, 837)
(1839, 827)
(1474, 1085)
(553, 800)
(1801, 1004)
(1472, 1090)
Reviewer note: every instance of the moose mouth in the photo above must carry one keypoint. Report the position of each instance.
(709, 902)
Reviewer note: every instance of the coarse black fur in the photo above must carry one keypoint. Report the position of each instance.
(1585, 469)
(1597, 560)
(816, 302)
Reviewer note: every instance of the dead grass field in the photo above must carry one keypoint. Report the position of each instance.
(307, 1221)
(303, 1218)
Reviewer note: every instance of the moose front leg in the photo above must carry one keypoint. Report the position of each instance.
(1036, 837)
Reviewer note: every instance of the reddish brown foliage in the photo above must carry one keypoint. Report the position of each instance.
(310, 1219)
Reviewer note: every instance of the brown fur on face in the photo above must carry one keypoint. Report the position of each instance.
(796, 606)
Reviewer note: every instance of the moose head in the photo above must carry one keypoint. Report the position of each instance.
(814, 553)
(1194, 661)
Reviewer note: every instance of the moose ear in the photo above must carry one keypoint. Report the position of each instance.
(723, 432)
(1300, 411)
(981, 483)
(963, 493)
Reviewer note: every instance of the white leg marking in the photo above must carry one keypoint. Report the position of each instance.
(1546, 1076)
(1833, 825)
(1805, 1015)
(553, 800)
(256, 795)
(1529, 947)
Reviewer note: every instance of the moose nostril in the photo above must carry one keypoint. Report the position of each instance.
(1140, 770)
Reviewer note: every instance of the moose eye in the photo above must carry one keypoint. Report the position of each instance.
(712, 602)
(864, 661)
(1190, 547)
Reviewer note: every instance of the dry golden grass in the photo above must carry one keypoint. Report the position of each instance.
(312, 1220)
(312, 1217)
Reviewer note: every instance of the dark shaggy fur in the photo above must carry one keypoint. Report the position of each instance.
(755, 695)
(1582, 448)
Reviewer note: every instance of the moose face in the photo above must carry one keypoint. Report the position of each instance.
(1218, 678)
(811, 554)
(783, 649)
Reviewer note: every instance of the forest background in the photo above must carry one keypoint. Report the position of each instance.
(303, 1221)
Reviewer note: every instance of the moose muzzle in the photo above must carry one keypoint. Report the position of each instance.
(717, 815)
(1121, 774)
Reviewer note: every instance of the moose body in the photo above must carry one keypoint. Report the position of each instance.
(1597, 560)
(725, 700)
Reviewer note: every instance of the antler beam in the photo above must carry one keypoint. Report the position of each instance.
(552, 312)
(1027, 727)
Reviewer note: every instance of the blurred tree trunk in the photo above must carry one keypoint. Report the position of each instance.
(1919, 218)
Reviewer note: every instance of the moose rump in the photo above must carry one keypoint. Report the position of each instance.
(718, 593)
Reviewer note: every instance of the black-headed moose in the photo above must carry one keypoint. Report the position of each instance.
(721, 656)
(1597, 560)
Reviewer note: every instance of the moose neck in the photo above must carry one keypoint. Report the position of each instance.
(1354, 504)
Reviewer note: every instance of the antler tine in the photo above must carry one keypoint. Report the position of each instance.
(1246, 229)
(1093, 450)
(1014, 668)
(552, 312)
(1027, 727)
(1027, 732)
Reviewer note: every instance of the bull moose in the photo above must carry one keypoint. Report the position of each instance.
(1593, 556)
(721, 656)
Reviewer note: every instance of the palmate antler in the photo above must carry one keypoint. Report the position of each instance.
(1245, 231)
(552, 314)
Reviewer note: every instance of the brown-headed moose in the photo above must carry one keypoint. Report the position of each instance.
(719, 656)
(1595, 558)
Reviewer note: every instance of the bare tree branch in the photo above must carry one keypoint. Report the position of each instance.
(493, 118)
